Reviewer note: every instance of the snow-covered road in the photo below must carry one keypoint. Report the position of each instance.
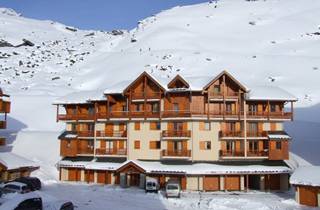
(109, 197)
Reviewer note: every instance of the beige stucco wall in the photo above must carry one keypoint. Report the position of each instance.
(145, 135)
(211, 135)
(64, 174)
(221, 182)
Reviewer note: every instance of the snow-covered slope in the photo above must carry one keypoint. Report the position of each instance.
(263, 42)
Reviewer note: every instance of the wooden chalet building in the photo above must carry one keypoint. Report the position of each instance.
(210, 133)
(4, 110)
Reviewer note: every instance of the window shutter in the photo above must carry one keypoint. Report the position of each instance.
(137, 144)
(137, 126)
(202, 145)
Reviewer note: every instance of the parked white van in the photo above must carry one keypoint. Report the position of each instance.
(173, 189)
(152, 185)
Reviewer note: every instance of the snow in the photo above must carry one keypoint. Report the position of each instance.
(11, 200)
(279, 136)
(90, 196)
(306, 175)
(82, 97)
(270, 93)
(12, 161)
(198, 168)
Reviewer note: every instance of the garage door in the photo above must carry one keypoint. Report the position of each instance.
(101, 177)
(90, 176)
(272, 182)
(308, 196)
(232, 183)
(74, 174)
(211, 183)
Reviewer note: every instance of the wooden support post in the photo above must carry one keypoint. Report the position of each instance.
(247, 182)
(291, 110)
(268, 109)
(224, 95)
(57, 116)
(145, 97)
(108, 108)
(208, 104)
(130, 98)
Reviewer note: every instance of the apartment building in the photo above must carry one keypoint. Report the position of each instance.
(209, 133)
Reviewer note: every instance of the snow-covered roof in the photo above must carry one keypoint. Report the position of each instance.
(197, 168)
(306, 175)
(271, 93)
(12, 161)
(82, 97)
(279, 136)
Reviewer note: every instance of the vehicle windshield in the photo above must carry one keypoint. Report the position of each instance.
(151, 184)
(172, 187)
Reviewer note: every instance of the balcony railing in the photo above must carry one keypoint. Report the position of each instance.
(176, 133)
(111, 133)
(88, 133)
(263, 153)
(5, 106)
(2, 141)
(176, 113)
(147, 95)
(220, 95)
(3, 124)
(229, 153)
(111, 151)
(240, 134)
(282, 115)
(76, 117)
(176, 153)
(85, 151)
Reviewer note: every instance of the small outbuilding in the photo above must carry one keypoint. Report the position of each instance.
(13, 166)
(306, 181)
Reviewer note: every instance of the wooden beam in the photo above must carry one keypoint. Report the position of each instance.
(268, 109)
(224, 95)
(291, 110)
(57, 115)
(145, 97)
(247, 182)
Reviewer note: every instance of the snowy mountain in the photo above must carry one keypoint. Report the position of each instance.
(262, 42)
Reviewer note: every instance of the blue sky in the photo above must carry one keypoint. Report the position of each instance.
(93, 14)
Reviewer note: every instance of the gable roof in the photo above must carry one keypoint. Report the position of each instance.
(225, 72)
(178, 77)
(270, 93)
(147, 75)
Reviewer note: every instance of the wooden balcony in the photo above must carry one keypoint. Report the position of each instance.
(263, 153)
(175, 113)
(76, 117)
(240, 134)
(85, 151)
(88, 133)
(145, 95)
(176, 134)
(3, 124)
(5, 106)
(229, 95)
(2, 141)
(111, 152)
(230, 154)
(142, 114)
(117, 134)
(278, 115)
(176, 153)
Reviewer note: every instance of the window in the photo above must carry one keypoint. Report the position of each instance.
(74, 111)
(278, 145)
(155, 107)
(155, 126)
(273, 108)
(91, 110)
(176, 107)
(231, 126)
(230, 145)
(253, 146)
(228, 108)
(68, 143)
(137, 144)
(137, 126)
(253, 108)
(154, 144)
(205, 145)
(138, 107)
(216, 89)
(124, 108)
(90, 144)
(204, 126)
(178, 126)
(73, 127)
